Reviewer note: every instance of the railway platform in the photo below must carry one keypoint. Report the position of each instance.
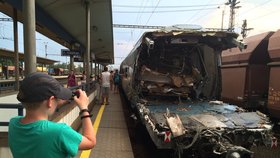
(111, 131)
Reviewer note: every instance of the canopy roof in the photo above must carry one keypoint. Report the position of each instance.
(64, 21)
(11, 54)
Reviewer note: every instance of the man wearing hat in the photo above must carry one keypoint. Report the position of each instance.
(33, 135)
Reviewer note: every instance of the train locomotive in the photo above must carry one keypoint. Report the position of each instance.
(172, 79)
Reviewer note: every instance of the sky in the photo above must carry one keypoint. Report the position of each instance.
(261, 15)
(6, 41)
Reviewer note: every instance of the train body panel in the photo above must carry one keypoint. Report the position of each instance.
(245, 73)
(255, 72)
(171, 78)
(274, 93)
(274, 85)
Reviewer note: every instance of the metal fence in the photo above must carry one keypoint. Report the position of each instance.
(7, 85)
(89, 88)
(19, 107)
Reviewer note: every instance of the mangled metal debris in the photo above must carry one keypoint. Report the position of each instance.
(172, 79)
(175, 124)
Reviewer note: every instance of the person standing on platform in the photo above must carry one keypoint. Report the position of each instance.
(71, 79)
(33, 135)
(117, 79)
(105, 85)
(83, 78)
(111, 80)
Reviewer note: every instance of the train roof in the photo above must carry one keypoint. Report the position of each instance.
(224, 39)
(177, 30)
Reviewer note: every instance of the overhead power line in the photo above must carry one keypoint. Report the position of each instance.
(259, 17)
(194, 15)
(257, 6)
(166, 11)
(153, 12)
(189, 6)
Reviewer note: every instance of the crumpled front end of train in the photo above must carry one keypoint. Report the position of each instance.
(178, 83)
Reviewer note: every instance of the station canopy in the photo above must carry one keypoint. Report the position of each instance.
(4, 53)
(64, 21)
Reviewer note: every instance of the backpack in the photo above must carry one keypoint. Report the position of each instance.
(117, 78)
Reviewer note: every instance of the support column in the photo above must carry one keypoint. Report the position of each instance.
(15, 19)
(98, 70)
(91, 66)
(95, 71)
(29, 36)
(7, 69)
(87, 53)
(71, 63)
(84, 65)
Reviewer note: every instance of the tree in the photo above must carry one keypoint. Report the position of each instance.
(63, 66)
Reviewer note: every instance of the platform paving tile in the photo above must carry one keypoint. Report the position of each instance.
(112, 142)
(113, 124)
(113, 115)
(110, 154)
(113, 108)
(113, 139)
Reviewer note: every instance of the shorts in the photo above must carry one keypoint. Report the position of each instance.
(105, 91)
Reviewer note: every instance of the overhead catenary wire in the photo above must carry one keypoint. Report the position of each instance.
(194, 15)
(257, 6)
(139, 15)
(150, 17)
(167, 11)
(144, 6)
(259, 17)
(189, 6)
(201, 16)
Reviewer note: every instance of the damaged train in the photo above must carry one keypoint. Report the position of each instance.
(172, 79)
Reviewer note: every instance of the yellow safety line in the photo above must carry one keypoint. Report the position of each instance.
(86, 153)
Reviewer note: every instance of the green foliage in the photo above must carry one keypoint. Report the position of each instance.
(63, 65)
(6, 62)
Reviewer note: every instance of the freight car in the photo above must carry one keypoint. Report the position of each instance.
(172, 79)
(249, 71)
(273, 104)
(255, 72)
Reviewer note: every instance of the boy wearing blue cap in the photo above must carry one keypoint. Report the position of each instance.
(34, 135)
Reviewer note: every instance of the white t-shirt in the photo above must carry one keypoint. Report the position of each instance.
(105, 79)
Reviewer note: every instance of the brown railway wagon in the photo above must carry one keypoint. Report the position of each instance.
(274, 80)
(245, 73)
